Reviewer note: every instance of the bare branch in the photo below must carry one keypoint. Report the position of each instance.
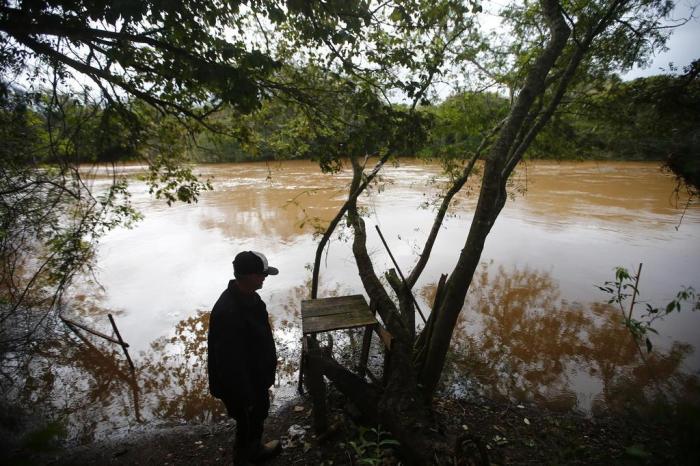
(455, 187)
(354, 194)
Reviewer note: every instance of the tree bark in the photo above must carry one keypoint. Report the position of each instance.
(401, 408)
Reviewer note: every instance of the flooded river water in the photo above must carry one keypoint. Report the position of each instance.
(534, 327)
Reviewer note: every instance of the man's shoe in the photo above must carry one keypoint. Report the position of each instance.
(267, 451)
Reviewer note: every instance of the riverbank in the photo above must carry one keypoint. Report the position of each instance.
(507, 433)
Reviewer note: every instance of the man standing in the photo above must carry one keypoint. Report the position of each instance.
(242, 358)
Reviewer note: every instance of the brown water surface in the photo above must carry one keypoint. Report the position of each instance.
(534, 327)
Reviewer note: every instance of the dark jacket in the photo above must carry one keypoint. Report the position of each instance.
(242, 358)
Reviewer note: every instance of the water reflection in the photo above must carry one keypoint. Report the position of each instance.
(173, 374)
(630, 379)
(518, 339)
(84, 386)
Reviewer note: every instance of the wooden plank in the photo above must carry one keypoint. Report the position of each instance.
(330, 311)
(337, 322)
(332, 300)
(319, 324)
(325, 314)
(335, 301)
(330, 306)
(340, 316)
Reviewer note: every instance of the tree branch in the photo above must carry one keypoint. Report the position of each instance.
(491, 198)
(579, 52)
(456, 186)
(354, 194)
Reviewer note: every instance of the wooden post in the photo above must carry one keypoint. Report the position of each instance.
(364, 354)
(121, 342)
(316, 386)
(302, 358)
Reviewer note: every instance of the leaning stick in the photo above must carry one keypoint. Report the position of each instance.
(399, 271)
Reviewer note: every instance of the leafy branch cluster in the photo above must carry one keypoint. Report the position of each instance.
(626, 287)
(373, 445)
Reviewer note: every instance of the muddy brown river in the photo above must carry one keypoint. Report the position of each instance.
(534, 328)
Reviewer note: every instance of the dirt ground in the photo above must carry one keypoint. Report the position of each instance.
(484, 430)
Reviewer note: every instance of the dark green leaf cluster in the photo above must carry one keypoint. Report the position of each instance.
(461, 122)
(183, 57)
(652, 118)
(174, 55)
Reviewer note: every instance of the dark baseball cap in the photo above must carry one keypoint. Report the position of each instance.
(248, 262)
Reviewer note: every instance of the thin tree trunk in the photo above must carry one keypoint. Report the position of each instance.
(355, 192)
(492, 198)
(401, 408)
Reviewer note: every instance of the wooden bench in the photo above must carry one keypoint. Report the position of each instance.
(328, 314)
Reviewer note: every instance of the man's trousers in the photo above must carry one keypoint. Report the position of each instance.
(249, 426)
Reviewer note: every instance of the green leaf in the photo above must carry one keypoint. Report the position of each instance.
(389, 442)
(670, 306)
(397, 14)
(621, 274)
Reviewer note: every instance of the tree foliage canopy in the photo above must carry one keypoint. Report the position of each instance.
(97, 81)
(185, 57)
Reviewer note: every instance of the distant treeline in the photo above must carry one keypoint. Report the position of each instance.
(645, 119)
